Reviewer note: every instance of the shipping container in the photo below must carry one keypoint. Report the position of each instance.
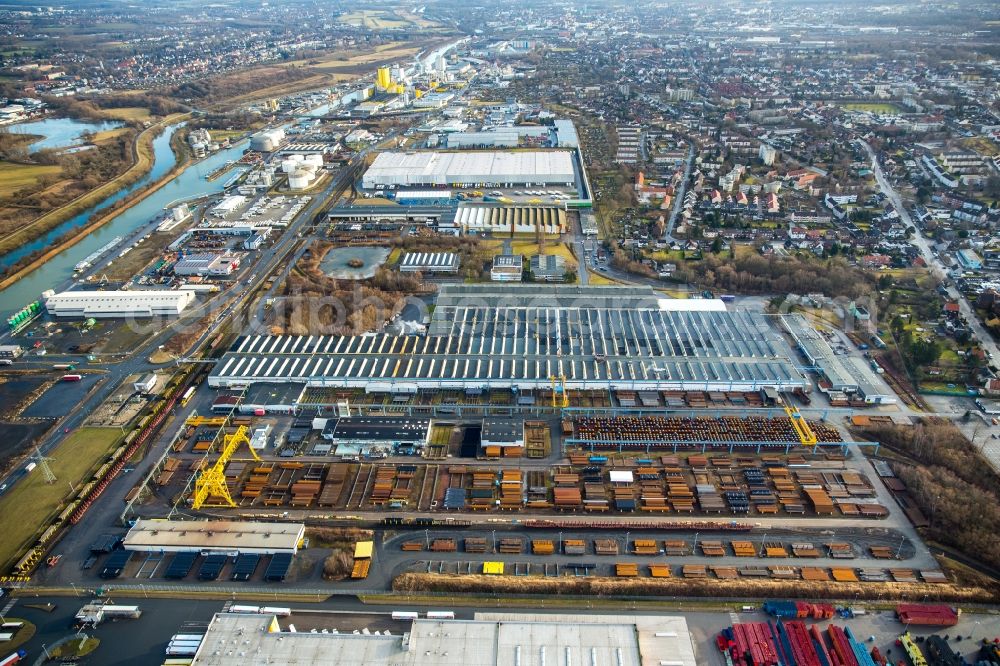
(929, 614)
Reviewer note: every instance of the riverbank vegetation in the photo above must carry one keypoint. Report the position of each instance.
(40, 190)
(54, 179)
(144, 151)
(135, 108)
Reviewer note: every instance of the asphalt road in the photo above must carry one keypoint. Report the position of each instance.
(991, 448)
(679, 196)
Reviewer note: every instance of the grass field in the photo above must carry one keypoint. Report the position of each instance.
(873, 107)
(128, 113)
(416, 19)
(29, 506)
(222, 135)
(600, 279)
(981, 145)
(390, 51)
(529, 248)
(13, 177)
(107, 135)
(374, 19)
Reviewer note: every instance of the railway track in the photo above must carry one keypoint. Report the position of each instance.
(366, 475)
(427, 490)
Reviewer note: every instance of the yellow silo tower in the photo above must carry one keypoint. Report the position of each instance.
(384, 79)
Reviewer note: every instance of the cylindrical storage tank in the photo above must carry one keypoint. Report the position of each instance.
(300, 179)
(314, 160)
(262, 143)
(289, 165)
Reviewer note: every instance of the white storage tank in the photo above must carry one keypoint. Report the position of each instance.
(289, 164)
(300, 179)
(262, 143)
(314, 160)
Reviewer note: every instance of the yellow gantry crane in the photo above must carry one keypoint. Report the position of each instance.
(212, 481)
(801, 426)
(206, 421)
(559, 390)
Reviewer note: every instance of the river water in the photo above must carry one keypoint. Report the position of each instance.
(61, 132)
(189, 183)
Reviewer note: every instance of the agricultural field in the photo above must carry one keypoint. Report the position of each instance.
(373, 19)
(31, 503)
(14, 177)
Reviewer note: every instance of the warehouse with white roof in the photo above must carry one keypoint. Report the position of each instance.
(218, 536)
(112, 304)
(491, 639)
(471, 168)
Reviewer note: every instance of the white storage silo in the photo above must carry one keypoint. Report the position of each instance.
(300, 179)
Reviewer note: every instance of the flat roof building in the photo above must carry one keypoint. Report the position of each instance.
(119, 304)
(272, 398)
(468, 168)
(548, 268)
(374, 430)
(502, 433)
(819, 353)
(229, 205)
(429, 262)
(207, 264)
(566, 136)
(507, 268)
(491, 639)
(224, 536)
(145, 384)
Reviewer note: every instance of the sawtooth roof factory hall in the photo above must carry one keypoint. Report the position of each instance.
(593, 337)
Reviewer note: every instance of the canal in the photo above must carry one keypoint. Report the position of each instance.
(57, 270)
